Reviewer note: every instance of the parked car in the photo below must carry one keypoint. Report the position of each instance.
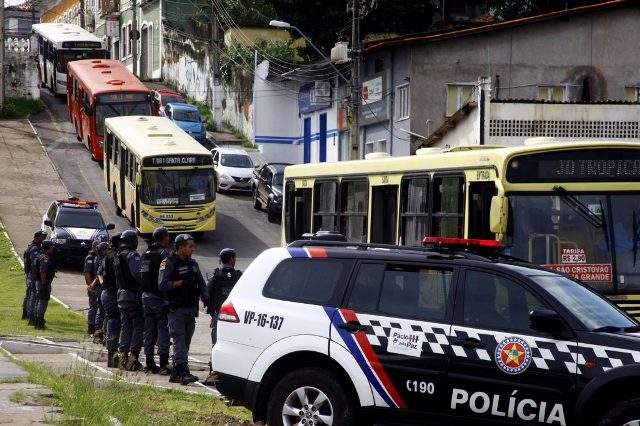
(234, 169)
(267, 189)
(163, 97)
(188, 118)
(322, 332)
(73, 224)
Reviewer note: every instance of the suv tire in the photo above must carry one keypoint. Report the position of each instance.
(285, 407)
(271, 213)
(627, 412)
(256, 202)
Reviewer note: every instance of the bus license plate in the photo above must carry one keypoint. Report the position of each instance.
(166, 216)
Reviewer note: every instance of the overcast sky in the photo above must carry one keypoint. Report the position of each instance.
(12, 2)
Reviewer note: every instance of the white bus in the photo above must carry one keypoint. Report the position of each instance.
(60, 43)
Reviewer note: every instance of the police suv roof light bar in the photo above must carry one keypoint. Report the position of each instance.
(77, 202)
(462, 244)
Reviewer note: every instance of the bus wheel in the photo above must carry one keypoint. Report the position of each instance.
(133, 217)
(115, 201)
(93, 154)
(77, 132)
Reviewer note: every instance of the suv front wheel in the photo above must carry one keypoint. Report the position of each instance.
(625, 413)
(309, 397)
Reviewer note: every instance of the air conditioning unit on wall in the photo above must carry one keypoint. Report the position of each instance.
(322, 92)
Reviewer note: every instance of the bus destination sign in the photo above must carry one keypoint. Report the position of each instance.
(178, 161)
(592, 165)
(108, 98)
(79, 44)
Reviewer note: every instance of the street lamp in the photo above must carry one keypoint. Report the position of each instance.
(286, 25)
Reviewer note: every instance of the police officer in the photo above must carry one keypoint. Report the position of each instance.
(44, 270)
(107, 274)
(218, 288)
(182, 281)
(156, 330)
(101, 252)
(90, 280)
(127, 268)
(31, 252)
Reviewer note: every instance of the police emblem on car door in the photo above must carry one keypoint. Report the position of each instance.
(395, 322)
(499, 367)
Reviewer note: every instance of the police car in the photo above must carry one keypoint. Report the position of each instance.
(73, 224)
(343, 333)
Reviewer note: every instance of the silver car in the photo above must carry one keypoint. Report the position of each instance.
(234, 169)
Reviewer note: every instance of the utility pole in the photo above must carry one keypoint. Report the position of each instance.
(134, 38)
(82, 13)
(356, 98)
(217, 82)
(2, 50)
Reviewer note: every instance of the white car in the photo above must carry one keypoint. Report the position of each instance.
(234, 169)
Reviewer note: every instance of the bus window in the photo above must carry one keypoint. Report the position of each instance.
(384, 207)
(480, 194)
(448, 206)
(414, 211)
(354, 202)
(297, 214)
(325, 214)
(116, 149)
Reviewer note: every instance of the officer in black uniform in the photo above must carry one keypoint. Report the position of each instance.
(127, 268)
(218, 288)
(182, 282)
(107, 274)
(44, 270)
(28, 303)
(89, 280)
(156, 330)
(101, 252)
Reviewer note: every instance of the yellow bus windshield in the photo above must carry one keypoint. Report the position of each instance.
(177, 187)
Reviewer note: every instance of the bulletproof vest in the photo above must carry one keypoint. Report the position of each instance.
(35, 266)
(93, 264)
(29, 254)
(124, 278)
(186, 295)
(109, 272)
(223, 281)
(51, 270)
(150, 268)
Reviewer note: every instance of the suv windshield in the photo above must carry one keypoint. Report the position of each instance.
(186, 115)
(236, 160)
(591, 309)
(593, 237)
(166, 99)
(173, 187)
(80, 219)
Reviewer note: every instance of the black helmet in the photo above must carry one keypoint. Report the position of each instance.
(226, 253)
(39, 233)
(159, 233)
(115, 239)
(103, 246)
(95, 243)
(129, 235)
(46, 244)
(183, 238)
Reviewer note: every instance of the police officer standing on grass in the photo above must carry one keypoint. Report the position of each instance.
(156, 330)
(218, 288)
(182, 282)
(101, 251)
(127, 268)
(44, 270)
(89, 280)
(109, 296)
(28, 303)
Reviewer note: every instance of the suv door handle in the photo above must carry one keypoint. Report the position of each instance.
(352, 327)
(469, 343)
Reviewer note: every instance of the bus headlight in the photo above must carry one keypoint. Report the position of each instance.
(206, 216)
(151, 218)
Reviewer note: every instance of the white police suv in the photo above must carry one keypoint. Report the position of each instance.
(326, 333)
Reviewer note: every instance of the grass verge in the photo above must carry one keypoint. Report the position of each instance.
(61, 322)
(20, 107)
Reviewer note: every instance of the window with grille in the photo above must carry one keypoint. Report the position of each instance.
(632, 94)
(552, 93)
(402, 102)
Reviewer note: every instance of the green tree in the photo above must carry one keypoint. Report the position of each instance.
(513, 9)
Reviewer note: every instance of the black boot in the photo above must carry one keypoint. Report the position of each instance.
(109, 359)
(25, 314)
(32, 320)
(133, 364)
(177, 373)
(91, 328)
(188, 377)
(40, 324)
(151, 364)
(165, 367)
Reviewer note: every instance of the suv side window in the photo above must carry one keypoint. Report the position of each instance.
(407, 291)
(314, 281)
(494, 301)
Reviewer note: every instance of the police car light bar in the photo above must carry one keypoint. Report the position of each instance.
(461, 243)
(78, 202)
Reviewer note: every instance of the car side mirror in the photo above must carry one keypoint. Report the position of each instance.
(110, 226)
(215, 162)
(256, 166)
(48, 223)
(546, 321)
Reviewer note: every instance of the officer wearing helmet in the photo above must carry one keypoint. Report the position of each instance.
(29, 301)
(156, 329)
(107, 276)
(127, 268)
(218, 288)
(182, 282)
(90, 281)
(101, 252)
(43, 268)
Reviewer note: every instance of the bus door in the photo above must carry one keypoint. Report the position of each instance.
(480, 194)
(384, 210)
(124, 166)
(297, 204)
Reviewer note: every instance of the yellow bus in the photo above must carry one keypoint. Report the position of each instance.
(158, 175)
(572, 206)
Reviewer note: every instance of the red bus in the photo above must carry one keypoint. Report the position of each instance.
(98, 89)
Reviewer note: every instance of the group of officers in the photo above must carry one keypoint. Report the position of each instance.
(138, 301)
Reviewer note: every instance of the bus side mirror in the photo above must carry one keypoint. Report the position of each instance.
(138, 179)
(498, 214)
